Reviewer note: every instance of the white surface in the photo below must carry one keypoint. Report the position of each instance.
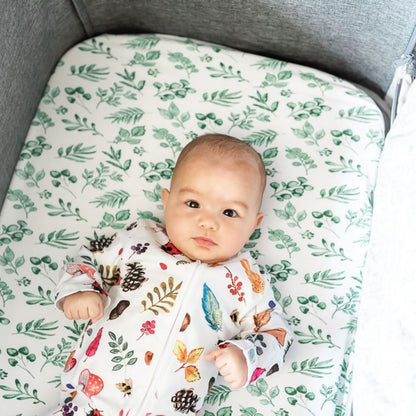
(385, 366)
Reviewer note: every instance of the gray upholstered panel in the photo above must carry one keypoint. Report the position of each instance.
(33, 35)
(357, 40)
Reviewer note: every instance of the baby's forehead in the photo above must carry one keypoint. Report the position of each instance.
(215, 154)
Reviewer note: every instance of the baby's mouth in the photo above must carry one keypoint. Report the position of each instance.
(204, 242)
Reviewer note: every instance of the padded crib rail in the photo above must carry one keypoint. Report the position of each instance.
(347, 39)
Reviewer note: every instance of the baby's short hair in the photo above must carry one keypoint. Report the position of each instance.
(227, 146)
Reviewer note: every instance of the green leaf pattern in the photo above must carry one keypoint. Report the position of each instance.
(102, 146)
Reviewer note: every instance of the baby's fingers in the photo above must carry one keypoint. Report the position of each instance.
(95, 312)
(213, 355)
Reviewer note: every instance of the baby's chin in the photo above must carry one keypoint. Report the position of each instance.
(209, 259)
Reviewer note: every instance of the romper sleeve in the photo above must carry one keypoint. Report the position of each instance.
(86, 270)
(264, 336)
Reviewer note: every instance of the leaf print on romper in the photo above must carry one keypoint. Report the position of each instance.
(187, 360)
(165, 297)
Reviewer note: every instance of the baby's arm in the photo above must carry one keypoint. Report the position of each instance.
(260, 346)
(231, 364)
(83, 305)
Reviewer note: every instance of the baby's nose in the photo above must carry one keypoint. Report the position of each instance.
(208, 221)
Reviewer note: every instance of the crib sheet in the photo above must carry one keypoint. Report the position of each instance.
(102, 145)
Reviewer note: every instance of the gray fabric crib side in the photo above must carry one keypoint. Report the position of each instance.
(355, 40)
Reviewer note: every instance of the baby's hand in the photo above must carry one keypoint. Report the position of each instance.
(231, 364)
(84, 305)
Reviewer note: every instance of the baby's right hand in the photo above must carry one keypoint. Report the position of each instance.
(84, 305)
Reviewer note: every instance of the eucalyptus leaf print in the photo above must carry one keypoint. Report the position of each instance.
(102, 146)
(21, 392)
(81, 125)
(119, 349)
(34, 148)
(308, 133)
(313, 367)
(77, 153)
(224, 98)
(22, 201)
(90, 72)
(43, 120)
(37, 329)
(95, 48)
(361, 114)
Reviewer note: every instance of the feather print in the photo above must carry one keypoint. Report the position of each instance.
(211, 307)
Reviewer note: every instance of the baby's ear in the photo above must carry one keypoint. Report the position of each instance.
(165, 196)
(260, 217)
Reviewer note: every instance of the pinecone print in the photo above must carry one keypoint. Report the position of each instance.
(134, 278)
(185, 401)
(100, 243)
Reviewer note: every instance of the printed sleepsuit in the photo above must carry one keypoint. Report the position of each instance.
(163, 313)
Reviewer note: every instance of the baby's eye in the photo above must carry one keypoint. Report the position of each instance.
(192, 204)
(230, 213)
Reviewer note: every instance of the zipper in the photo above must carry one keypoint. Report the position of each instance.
(158, 372)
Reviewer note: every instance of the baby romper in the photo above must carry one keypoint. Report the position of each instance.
(163, 313)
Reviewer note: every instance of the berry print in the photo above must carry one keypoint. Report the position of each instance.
(68, 409)
(235, 286)
(148, 328)
(139, 248)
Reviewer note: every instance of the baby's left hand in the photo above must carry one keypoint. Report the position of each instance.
(231, 364)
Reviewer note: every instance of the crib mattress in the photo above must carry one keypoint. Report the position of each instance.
(102, 145)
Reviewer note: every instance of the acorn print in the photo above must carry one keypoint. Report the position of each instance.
(70, 362)
(185, 401)
(119, 309)
(148, 357)
(134, 278)
(185, 323)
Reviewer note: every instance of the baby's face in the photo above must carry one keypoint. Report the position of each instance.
(213, 206)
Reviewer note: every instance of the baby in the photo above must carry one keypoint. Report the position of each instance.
(171, 307)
